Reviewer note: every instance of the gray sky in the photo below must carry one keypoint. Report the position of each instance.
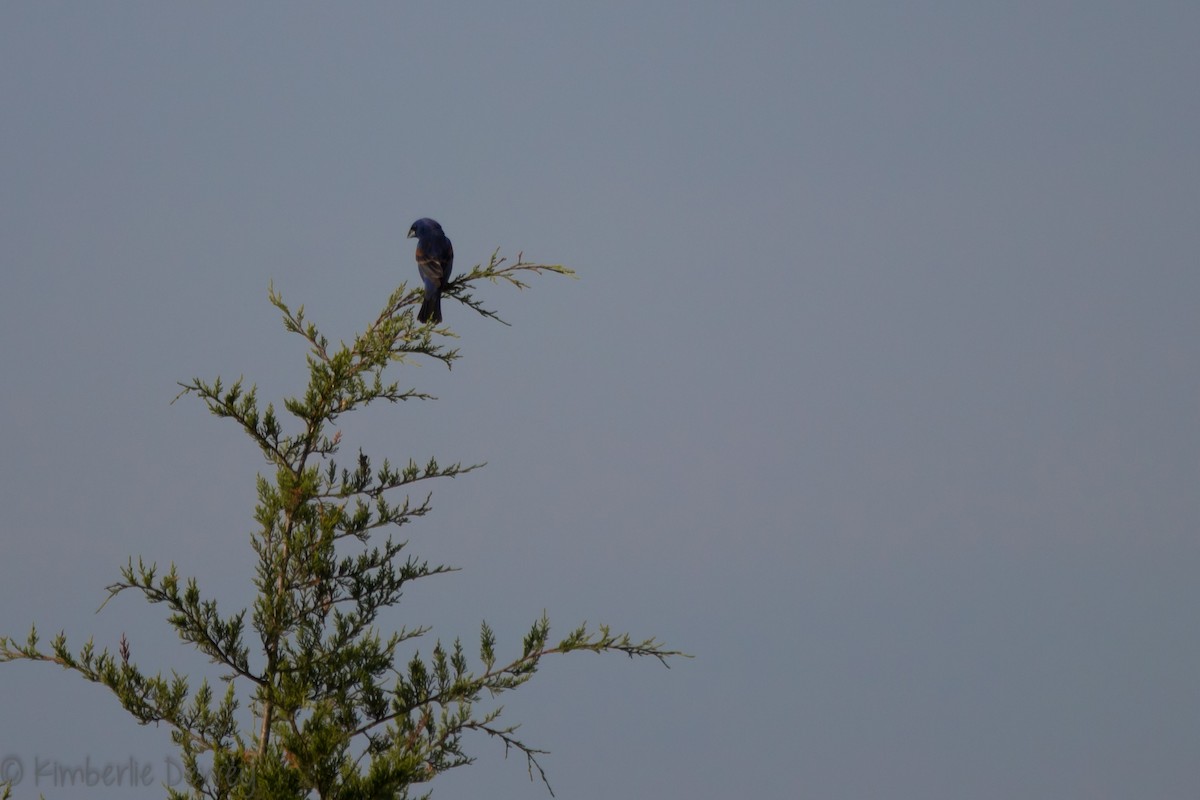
(879, 391)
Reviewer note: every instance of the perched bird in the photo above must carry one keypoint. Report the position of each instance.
(435, 260)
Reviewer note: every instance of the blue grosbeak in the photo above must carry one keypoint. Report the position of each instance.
(435, 260)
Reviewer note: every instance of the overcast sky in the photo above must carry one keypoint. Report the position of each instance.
(879, 391)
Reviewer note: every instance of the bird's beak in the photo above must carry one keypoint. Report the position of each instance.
(411, 234)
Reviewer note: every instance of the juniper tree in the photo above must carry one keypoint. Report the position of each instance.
(316, 699)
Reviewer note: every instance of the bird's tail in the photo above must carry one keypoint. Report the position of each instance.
(431, 308)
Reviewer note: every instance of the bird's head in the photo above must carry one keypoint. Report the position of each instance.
(423, 227)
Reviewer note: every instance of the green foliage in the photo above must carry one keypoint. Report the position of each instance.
(336, 709)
